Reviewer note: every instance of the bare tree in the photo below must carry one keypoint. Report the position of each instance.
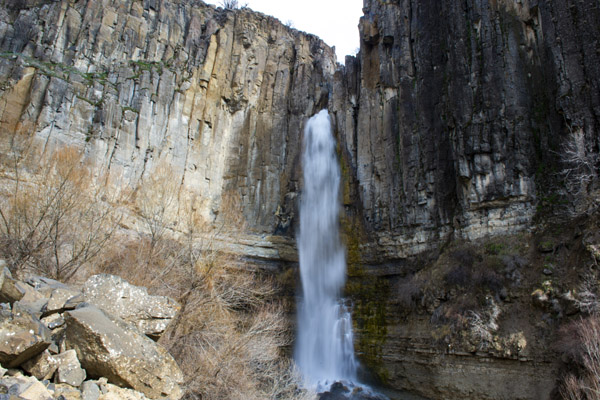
(56, 221)
(580, 170)
(156, 202)
(232, 4)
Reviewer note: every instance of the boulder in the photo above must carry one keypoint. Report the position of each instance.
(108, 347)
(42, 367)
(90, 391)
(112, 392)
(53, 321)
(45, 286)
(339, 391)
(133, 304)
(69, 369)
(59, 300)
(9, 291)
(22, 336)
(64, 391)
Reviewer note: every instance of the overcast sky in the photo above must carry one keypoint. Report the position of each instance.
(334, 21)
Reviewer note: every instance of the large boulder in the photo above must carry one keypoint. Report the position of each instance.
(22, 336)
(108, 347)
(133, 304)
(11, 290)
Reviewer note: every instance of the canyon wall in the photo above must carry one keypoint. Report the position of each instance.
(452, 120)
(458, 121)
(454, 114)
(219, 96)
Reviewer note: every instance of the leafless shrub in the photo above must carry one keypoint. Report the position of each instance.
(580, 170)
(58, 219)
(408, 293)
(483, 324)
(586, 298)
(156, 202)
(581, 343)
(459, 275)
(232, 4)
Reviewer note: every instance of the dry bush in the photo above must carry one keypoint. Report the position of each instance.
(230, 333)
(58, 219)
(580, 172)
(409, 293)
(580, 343)
(156, 203)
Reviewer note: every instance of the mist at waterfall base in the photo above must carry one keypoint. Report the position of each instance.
(324, 344)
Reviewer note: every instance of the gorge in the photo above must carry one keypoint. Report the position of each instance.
(468, 147)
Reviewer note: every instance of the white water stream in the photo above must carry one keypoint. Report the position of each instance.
(324, 349)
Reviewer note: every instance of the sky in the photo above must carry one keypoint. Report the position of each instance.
(334, 21)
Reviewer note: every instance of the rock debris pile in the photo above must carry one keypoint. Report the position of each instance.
(94, 342)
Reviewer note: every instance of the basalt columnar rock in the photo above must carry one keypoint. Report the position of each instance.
(455, 114)
(455, 121)
(219, 96)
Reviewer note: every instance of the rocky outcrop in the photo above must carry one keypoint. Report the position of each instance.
(133, 304)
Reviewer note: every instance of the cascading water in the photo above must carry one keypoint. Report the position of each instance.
(324, 349)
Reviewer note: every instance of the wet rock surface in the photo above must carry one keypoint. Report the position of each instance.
(345, 391)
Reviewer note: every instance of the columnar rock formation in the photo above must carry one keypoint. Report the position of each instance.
(454, 112)
(219, 96)
(453, 121)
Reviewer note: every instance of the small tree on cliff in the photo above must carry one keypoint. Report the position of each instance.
(580, 172)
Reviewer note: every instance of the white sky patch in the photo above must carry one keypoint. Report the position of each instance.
(334, 21)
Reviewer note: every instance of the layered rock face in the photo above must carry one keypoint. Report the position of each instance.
(454, 113)
(216, 95)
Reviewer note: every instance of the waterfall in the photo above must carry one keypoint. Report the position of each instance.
(324, 349)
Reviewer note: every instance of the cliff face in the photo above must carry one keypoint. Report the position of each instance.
(454, 113)
(451, 119)
(453, 122)
(219, 96)
(458, 120)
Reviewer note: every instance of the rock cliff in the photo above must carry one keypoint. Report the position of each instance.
(456, 121)
(218, 95)
(453, 114)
